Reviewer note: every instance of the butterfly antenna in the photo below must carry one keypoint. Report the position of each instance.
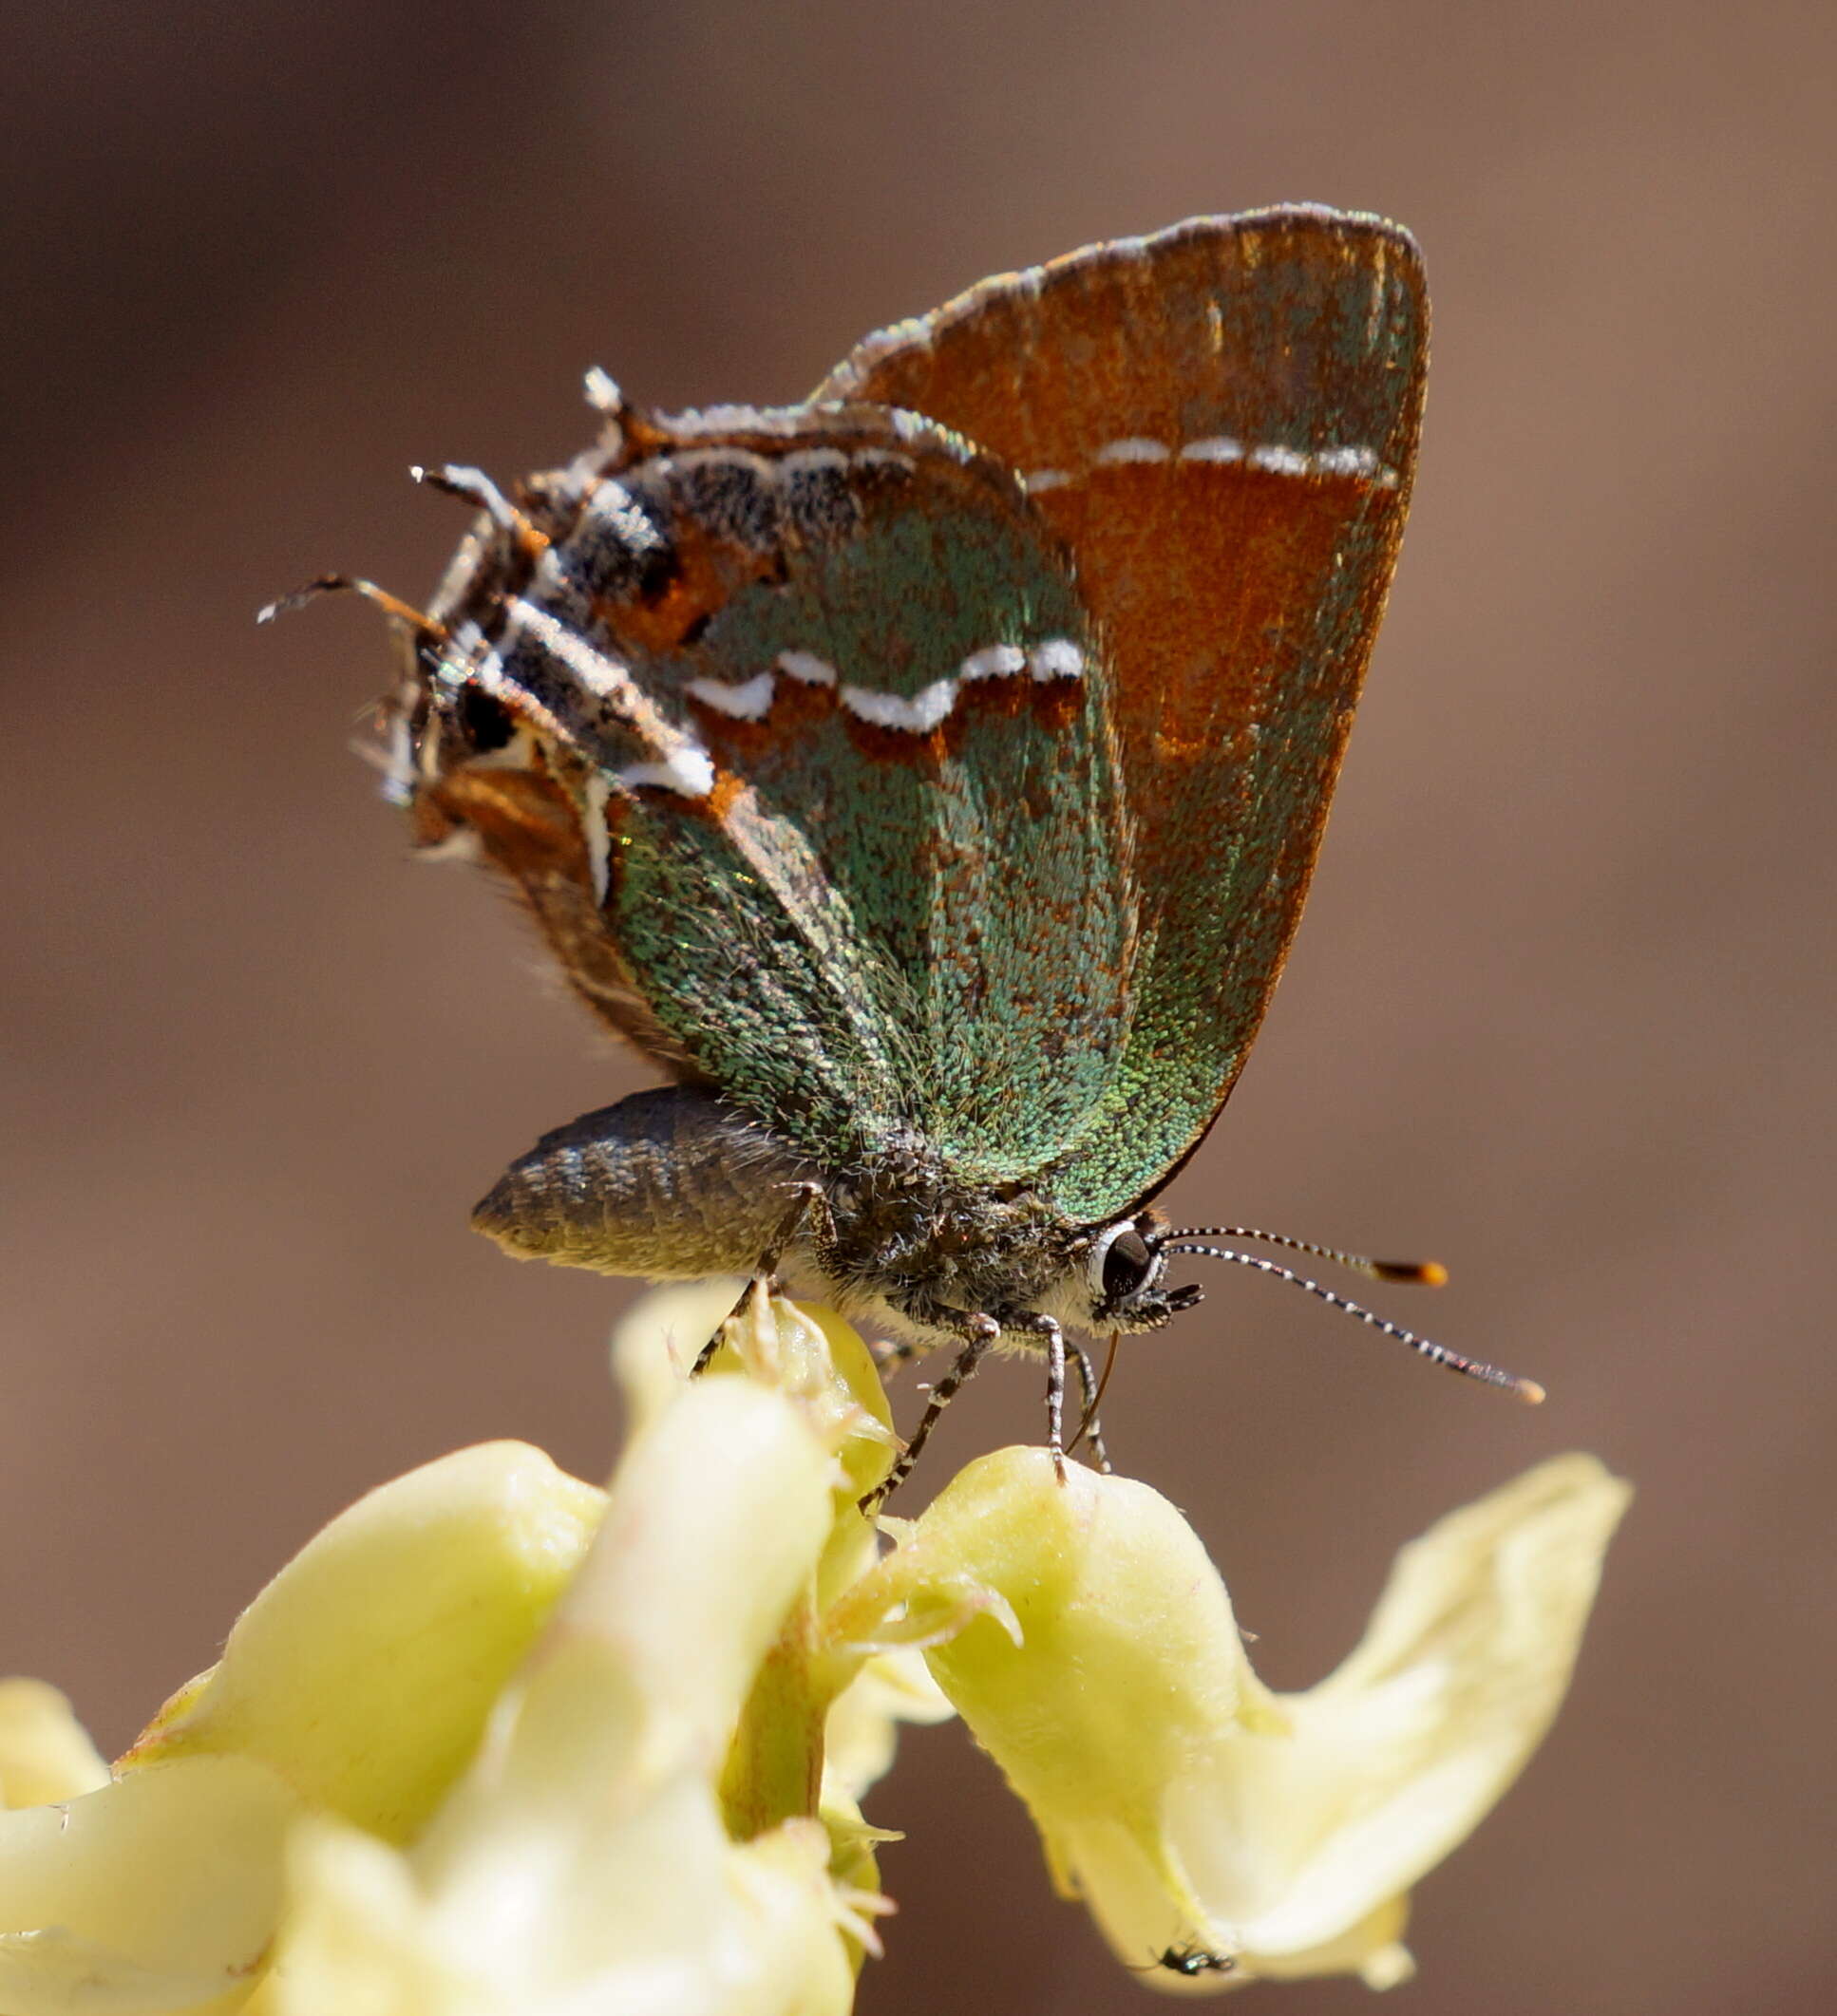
(473, 486)
(1422, 1273)
(1525, 1389)
(1093, 1402)
(339, 584)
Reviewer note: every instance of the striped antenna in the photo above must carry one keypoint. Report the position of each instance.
(340, 584)
(1423, 1273)
(473, 486)
(1525, 1389)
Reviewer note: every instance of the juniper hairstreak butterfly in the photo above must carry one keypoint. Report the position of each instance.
(927, 776)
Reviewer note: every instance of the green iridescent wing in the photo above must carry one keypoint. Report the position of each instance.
(1220, 422)
(818, 692)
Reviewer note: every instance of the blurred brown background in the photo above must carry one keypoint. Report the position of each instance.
(1558, 1012)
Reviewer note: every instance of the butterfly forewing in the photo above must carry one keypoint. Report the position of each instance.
(1221, 422)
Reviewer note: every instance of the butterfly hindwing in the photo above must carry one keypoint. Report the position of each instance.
(820, 692)
(1220, 422)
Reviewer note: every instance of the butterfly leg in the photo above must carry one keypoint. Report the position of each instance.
(1048, 1329)
(980, 1333)
(809, 1201)
(1054, 1392)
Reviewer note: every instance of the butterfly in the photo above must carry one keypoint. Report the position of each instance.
(927, 777)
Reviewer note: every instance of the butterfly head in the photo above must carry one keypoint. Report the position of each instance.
(1124, 1270)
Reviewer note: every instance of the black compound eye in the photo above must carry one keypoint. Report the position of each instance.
(487, 721)
(1126, 1265)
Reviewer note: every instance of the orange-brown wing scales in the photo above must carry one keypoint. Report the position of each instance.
(1221, 424)
(527, 826)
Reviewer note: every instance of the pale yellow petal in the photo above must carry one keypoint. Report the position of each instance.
(157, 1893)
(582, 1862)
(44, 1751)
(1182, 1800)
(798, 1961)
(356, 1942)
(539, 1893)
(1399, 1756)
(1128, 1664)
(1130, 1660)
(363, 1674)
(863, 1727)
(659, 1916)
(658, 1340)
(1372, 1949)
(714, 1524)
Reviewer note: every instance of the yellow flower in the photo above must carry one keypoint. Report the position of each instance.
(1191, 1808)
(357, 1683)
(583, 1860)
(498, 1743)
(44, 1753)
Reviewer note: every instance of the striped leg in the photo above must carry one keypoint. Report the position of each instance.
(980, 1332)
(1089, 1425)
(1048, 1328)
(809, 1200)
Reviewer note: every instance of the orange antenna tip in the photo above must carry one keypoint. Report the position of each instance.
(1531, 1393)
(1417, 1274)
(1420, 1274)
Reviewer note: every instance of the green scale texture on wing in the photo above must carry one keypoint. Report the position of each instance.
(1220, 423)
(886, 931)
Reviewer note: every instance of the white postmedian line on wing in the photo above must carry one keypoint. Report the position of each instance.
(1279, 461)
(1057, 658)
(684, 767)
(748, 700)
(1214, 448)
(920, 713)
(1134, 448)
(1357, 462)
(689, 771)
(917, 714)
(1274, 458)
(993, 661)
(807, 668)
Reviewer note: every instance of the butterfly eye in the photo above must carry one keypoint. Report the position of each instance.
(485, 719)
(1121, 1264)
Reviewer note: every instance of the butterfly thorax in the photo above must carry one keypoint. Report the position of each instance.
(906, 1231)
(905, 1241)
